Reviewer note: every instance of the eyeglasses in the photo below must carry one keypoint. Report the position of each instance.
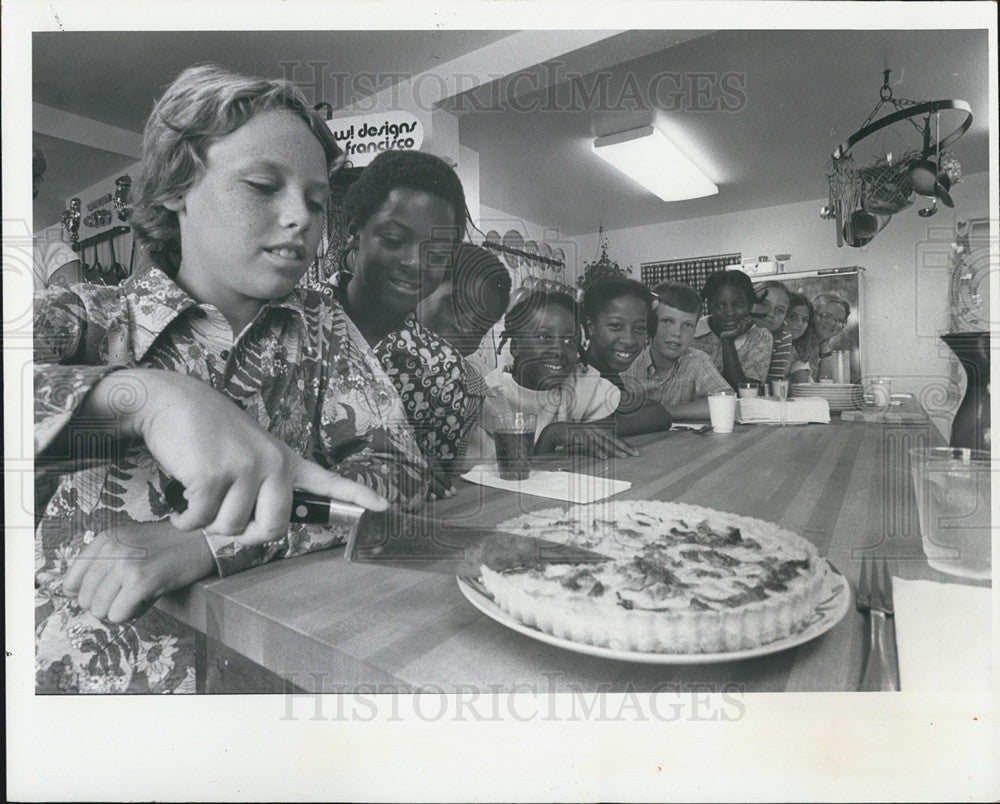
(830, 318)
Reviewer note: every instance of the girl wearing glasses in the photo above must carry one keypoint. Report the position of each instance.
(547, 377)
(831, 315)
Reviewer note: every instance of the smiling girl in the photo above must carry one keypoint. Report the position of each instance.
(770, 311)
(573, 403)
(741, 350)
(618, 316)
(212, 367)
(798, 321)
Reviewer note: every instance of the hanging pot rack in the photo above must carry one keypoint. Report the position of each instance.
(879, 190)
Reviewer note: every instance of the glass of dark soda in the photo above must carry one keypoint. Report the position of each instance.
(514, 437)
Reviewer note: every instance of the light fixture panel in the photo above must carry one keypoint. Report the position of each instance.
(647, 157)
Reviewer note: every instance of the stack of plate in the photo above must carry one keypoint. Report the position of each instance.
(841, 396)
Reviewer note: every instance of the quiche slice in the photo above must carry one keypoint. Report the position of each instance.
(682, 579)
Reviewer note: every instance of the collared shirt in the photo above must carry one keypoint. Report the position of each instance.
(300, 368)
(429, 376)
(692, 376)
(753, 348)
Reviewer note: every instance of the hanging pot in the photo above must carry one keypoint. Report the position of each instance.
(852, 239)
(864, 225)
(941, 188)
(923, 176)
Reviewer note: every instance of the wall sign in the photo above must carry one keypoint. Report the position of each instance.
(365, 137)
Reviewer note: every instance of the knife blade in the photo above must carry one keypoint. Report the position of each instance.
(415, 541)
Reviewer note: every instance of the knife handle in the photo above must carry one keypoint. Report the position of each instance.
(307, 508)
(881, 671)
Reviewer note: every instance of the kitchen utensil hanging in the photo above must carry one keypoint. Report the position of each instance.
(96, 274)
(513, 240)
(560, 258)
(84, 267)
(531, 249)
(545, 252)
(118, 271)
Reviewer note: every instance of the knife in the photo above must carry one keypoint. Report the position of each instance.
(307, 508)
(419, 542)
(414, 541)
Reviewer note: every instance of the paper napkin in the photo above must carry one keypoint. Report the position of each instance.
(943, 633)
(567, 486)
(756, 410)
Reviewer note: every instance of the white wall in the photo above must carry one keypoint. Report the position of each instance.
(907, 268)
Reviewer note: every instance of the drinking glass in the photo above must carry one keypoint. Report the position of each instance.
(514, 438)
(952, 488)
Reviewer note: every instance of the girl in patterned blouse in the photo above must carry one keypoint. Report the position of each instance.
(406, 213)
(236, 382)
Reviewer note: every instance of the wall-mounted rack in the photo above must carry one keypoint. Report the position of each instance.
(522, 254)
(107, 234)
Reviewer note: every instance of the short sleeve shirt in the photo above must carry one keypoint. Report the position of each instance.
(753, 349)
(693, 376)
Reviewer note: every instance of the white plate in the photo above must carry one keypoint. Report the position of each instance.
(835, 600)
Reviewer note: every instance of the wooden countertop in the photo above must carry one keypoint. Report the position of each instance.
(324, 623)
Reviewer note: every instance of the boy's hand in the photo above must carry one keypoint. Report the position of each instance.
(120, 574)
(593, 439)
(229, 465)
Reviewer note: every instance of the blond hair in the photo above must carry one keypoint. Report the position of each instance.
(203, 104)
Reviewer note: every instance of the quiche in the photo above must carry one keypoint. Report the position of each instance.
(681, 579)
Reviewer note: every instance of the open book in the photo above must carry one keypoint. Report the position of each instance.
(793, 411)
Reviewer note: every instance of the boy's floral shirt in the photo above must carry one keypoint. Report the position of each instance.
(300, 368)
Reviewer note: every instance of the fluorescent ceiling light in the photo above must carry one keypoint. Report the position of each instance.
(646, 156)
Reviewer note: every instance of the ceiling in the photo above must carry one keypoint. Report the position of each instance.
(760, 111)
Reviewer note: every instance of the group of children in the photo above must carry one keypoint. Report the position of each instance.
(217, 367)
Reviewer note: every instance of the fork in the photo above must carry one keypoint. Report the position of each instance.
(881, 670)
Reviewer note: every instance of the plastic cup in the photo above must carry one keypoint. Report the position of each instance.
(748, 390)
(841, 366)
(722, 411)
(779, 389)
(514, 438)
(952, 489)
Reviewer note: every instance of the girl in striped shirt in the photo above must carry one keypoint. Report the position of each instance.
(769, 311)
